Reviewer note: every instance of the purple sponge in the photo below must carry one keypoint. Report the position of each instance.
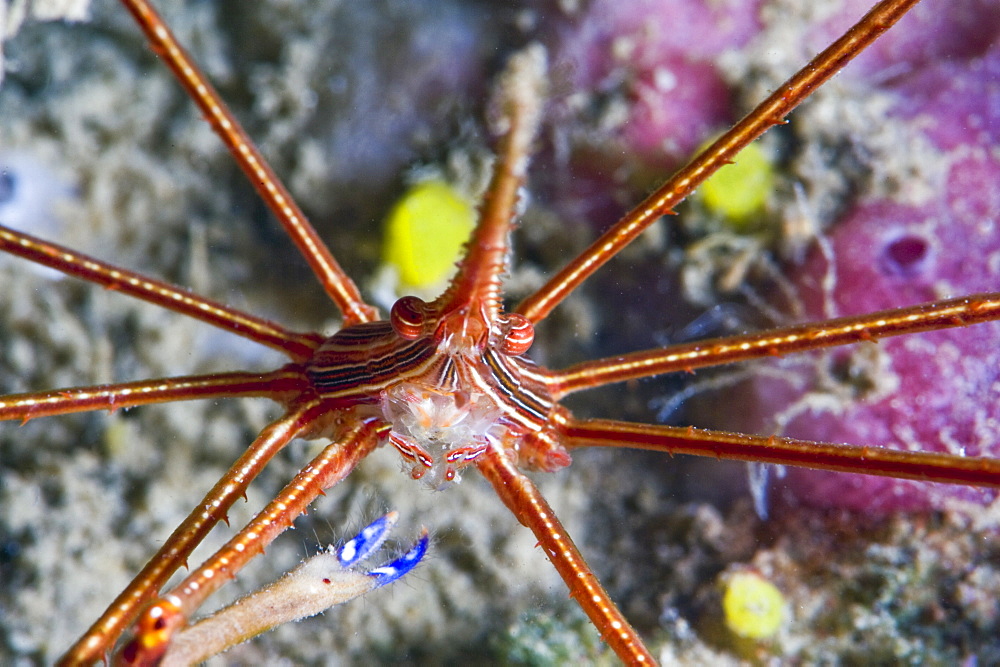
(936, 392)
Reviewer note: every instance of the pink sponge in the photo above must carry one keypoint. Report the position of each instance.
(637, 90)
(936, 392)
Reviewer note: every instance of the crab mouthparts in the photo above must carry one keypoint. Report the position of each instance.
(440, 431)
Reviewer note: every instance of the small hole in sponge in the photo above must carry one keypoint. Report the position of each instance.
(906, 256)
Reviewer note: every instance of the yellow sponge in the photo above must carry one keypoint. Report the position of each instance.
(425, 232)
(754, 607)
(738, 191)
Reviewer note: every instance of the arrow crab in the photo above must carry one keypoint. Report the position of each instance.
(127, 476)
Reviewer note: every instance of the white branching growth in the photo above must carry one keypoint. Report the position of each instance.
(13, 14)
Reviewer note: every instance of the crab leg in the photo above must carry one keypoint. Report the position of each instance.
(768, 113)
(524, 500)
(521, 93)
(167, 615)
(924, 466)
(276, 385)
(298, 346)
(331, 276)
(326, 579)
(926, 317)
(175, 551)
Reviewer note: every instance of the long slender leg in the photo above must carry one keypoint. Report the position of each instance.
(326, 579)
(331, 276)
(332, 465)
(520, 96)
(768, 113)
(924, 466)
(523, 499)
(174, 608)
(927, 317)
(298, 346)
(175, 551)
(277, 385)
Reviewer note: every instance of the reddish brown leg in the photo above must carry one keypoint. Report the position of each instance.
(331, 276)
(278, 385)
(332, 465)
(298, 346)
(923, 466)
(520, 94)
(768, 113)
(523, 499)
(927, 317)
(174, 553)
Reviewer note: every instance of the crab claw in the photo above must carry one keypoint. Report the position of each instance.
(365, 543)
(371, 537)
(326, 579)
(390, 572)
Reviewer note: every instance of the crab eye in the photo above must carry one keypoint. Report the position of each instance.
(407, 317)
(519, 335)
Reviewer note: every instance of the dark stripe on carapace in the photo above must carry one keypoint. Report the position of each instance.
(515, 391)
(358, 362)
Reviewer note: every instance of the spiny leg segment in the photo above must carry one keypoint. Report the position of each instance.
(297, 346)
(529, 506)
(332, 465)
(174, 553)
(964, 311)
(330, 577)
(922, 466)
(335, 281)
(276, 385)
